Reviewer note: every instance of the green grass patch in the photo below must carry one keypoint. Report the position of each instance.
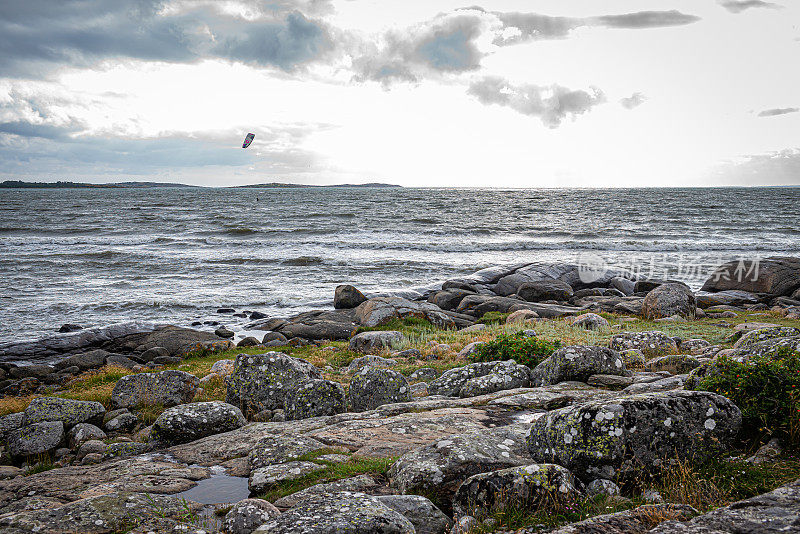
(408, 324)
(493, 317)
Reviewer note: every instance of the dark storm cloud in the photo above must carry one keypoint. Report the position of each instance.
(38, 35)
(737, 6)
(552, 104)
(633, 101)
(777, 111)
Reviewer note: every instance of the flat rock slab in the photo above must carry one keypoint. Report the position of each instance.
(264, 478)
(635, 521)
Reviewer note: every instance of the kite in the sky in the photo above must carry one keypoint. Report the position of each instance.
(248, 140)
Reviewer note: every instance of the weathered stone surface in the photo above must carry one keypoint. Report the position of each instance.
(381, 310)
(767, 341)
(11, 422)
(674, 363)
(38, 438)
(590, 321)
(528, 485)
(318, 324)
(247, 515)
(603, 439)
(544, 290)
(85, 361)
(263, 478)
(70, 412)
(372, 387)
(651, 343)
(188, 422)
(578, 362)
(633, 358)
(375, 341)
(449, 299)
(773, 512)
(124, 422)
(83, 432)
(609, 381)
(508, 375)
(125, 449)
(694, 346)
(361, 483)
(664, 384)
(425, 374)
(420, 511)
(370, 361)
(315, 398)
(667, 300)
(168, 388)
(277, 449)
(260, 382)
(638, 520)
(776, 275)
(339, 513)
(479, 305)
(520, 316)
(346, 297)
(730, 297)
(103, 514)
(439, 468)
(601, 486)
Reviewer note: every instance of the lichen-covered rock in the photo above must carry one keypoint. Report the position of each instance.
(601, 486)
(83, 432)
(247, 515)
(339, 513)
(70, 412)
(315, 398)
(590, 321)
(674, 363)
(222, 367)
(528, 485)
(167, 388)
(768, 341)
(578, 362)
(38, 438)
(281, 449)
(651, 343)
(362, 483)
(124, 422)
(667, 300)
(638, 520)
(775, 512)
(124, 449)
(629, 435)
(381, 310)
(504, 375)
(371, 361)
(423, 514)
(694, 346)
(11, 422)
(375, 341)
(425, 374)
(188, 422)
(633, 358)
(346, 297)
(440, 467)
(268, 476)
(663, 384)
(451, 381)
(260, 382)
(372, 387)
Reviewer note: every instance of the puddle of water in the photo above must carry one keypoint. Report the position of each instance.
(217, 489)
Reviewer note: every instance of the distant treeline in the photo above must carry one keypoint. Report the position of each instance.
(19, 184)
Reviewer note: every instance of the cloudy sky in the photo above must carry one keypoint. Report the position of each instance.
(519, 93)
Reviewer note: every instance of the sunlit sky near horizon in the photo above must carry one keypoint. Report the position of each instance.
(536, 93)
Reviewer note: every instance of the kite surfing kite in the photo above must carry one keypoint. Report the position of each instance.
(248, 139)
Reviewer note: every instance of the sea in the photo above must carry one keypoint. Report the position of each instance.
(176, 255)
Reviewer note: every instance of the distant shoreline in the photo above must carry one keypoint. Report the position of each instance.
(19, 184)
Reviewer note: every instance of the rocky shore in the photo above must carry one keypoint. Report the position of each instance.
(520, 398)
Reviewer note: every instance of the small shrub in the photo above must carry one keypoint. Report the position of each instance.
(767, 390)
(494, 318)
(524, 350)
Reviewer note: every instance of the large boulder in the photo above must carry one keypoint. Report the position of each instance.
(479, 305)
(339, 513)
(667, 300)
(83, 432)
(465, 381)
(544, 290)
(533, 485)
(776, 276)
(381, 310)
(731, 297)
(768, 341)
(439, 468)
(260, 381)
(315, 398)
(372, 387)
(318, 325)
(189, 422)
(35, 439)
(375, 341)
(85, 361)
(346, 297)
(423, 514)
(578, 363)
(70, 412)
(167, 388)
(626, 436)
(651, 343)
(449, 299)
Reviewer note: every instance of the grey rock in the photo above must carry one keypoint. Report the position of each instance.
(264, 478)
(361, 483)
(39, 371)
(88, 360)
(449, 299)
(420, 511)
(124, 422)
(339, 513)
(274, 337)
(372, 387)
(590, 321)
(600, 486)
(627, 287)
(769, 452)
(674, 363)
(70, 412)
(11, 422)
(168, 388)
(224, 333)
(425, 374)
(91, 447)
(663, 384)
(470, 349)
(247, 515)
(544, 290)
(695, 346)
(83, 432)
(381, 310)
(370, 361)
(504, 375)
(520, 316)
(151, 354)
(667, 300)
(629, 435)
(275, 449)
(125, 449)
(249, 341)
(118, 360)
(35, 439)
(776, 276)
(609, 381)
(767, 341)
(189, 422)
(578, 362)
(730, 297)
(651, 343)
(69, 327)
(528, 485)
(453, 381)
(260, 382)
(346, 297)
(638, 520)
(369, 342)
(315, 398)
(633, 358)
